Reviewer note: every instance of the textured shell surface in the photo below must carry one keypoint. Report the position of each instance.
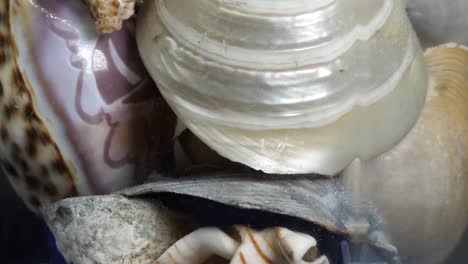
(110, 14)
(322, 202)
(287, 86)
(439, 22)
(274, 245)
(413, 197)
(80, 114)
(113, 230)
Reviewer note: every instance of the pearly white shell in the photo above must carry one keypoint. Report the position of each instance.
(287, 86)
(276, 245)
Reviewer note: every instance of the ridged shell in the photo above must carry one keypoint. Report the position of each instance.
(79, 113)
(324, 202)
(287, 86)
(416, 193)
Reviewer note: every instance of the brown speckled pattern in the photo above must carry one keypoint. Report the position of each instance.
(109, 14)
(29, 157)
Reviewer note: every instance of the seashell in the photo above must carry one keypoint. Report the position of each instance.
(109, 14)
(275, 245)
(439, 22)
(420, 187)
(319, 201)
(414, 194)
(287, 87)
(80, 114)
(113, 229)
(199, 246)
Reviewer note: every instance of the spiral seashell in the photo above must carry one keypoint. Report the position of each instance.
(276, 246)
(109, 14)
(79, 113)
(439, 22)
(287, 86)
(421, 186)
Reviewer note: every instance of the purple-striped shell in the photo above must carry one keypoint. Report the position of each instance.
(79, 113)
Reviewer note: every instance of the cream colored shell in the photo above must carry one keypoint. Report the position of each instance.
(421, 186)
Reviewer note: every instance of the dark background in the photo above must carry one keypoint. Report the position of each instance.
(23, 236)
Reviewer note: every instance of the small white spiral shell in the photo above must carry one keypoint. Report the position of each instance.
(275, 245)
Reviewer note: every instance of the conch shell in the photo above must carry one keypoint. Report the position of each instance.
(288, 87)
(79, 113)
(275, 245)
(109, 14)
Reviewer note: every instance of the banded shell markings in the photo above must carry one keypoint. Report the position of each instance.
(272, 246)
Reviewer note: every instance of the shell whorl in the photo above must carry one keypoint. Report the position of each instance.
(276, 246)
(269, 85)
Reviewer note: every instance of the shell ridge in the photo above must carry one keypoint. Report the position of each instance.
(215, 51)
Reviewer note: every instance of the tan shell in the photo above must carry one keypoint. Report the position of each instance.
(421, 186)
(109, 14)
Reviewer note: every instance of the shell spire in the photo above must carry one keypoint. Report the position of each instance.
(287, 87)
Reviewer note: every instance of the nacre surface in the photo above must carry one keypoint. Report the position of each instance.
(287, 86)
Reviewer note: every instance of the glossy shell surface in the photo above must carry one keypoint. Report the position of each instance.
(274, 246)
(287, 86)
(80, 115)
(421, 186)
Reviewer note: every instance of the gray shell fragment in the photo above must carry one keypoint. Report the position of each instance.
(113, 229)
(319, 201)
(325, 202)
